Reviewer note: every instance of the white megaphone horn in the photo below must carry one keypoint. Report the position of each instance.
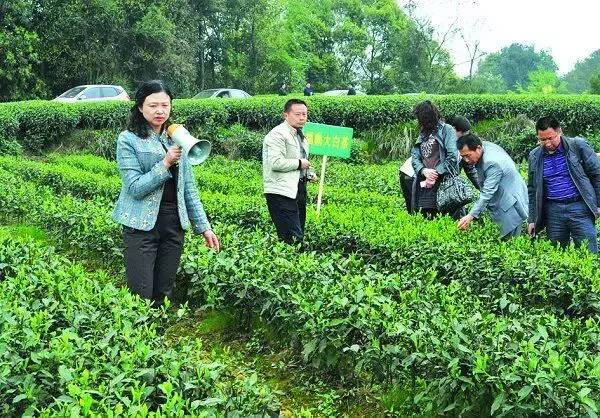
(196, 149)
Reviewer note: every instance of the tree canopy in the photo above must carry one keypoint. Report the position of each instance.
(48, 46)
(579, 78)
(513, 64)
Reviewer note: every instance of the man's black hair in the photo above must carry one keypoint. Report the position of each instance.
(472, 141)
(460, 123)
(547, 122)
(288, 105)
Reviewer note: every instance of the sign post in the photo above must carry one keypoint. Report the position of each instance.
(327, 140)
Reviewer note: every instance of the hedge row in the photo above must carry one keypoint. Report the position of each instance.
(41, 124)
(217, 186)
(464, 350)
(73, 344)
(442, 343)
(567, 282)
(216, 173)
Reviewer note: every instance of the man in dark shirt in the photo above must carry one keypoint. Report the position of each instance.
(308, 90)
(351, 90)
(462, 126)
(563, 187)
(283, 90)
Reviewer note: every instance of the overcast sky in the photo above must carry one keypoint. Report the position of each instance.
(568, 29)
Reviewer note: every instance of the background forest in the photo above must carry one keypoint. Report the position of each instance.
(48, 46)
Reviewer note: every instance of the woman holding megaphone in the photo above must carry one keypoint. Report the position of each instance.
(159, 198)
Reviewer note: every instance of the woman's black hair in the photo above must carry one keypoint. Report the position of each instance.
(137, 122)
(428, 117)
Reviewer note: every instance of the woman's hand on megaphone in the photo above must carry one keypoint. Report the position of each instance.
(172, 157)
(211, 240)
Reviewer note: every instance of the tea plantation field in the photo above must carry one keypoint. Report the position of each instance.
(383, 314)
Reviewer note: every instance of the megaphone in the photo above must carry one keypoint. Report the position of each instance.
(196, 149)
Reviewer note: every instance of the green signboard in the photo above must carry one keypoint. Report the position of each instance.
(334, 141)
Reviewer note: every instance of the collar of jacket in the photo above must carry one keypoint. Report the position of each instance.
(565, 142)
(480, 162)
(440, 128)
(292, 130)
(161, 137)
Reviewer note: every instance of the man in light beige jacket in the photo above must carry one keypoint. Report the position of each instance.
(286, 170)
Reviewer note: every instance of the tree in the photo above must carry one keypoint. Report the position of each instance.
(486, 83)
(79, 42)
(595, 83)
(163, 47)
(515, 62)
(434, 64)
(578, 78)
(115, 42)
(48, 46)
(385, 29)
(542, 81)
(19, 59)
(349, 37)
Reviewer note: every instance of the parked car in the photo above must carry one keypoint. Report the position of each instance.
(222, 93)
(342, 93)
(93, 92)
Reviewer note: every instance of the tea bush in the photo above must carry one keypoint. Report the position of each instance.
(48, 123)
(9, 128)
(102, 143)
(467, 323)
(516, 135)
(372, 225)
(43, 124)
(73, 344)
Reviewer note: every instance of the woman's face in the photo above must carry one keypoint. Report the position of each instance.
(156, 110)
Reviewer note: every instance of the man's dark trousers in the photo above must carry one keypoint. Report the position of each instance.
(571, 219)
(289, 215)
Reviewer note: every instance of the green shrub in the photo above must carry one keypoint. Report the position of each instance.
(86, 162)
(73, 344)
(238, 142)
(465, 321)
(516, 135)
(111, 114)
(390, 142)
(9, 130)
(594, 141)
(194, 114)
(10, 146)
(99, 142)
(43, 124)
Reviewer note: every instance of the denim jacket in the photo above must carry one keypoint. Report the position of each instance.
(143, 173)
(446, 137)
(449, 157)
(584, 169)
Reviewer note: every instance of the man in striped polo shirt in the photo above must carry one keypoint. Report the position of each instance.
(563, 186)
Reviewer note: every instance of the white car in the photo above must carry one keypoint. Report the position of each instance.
(342, 93)
(222, 94)
(93, 92)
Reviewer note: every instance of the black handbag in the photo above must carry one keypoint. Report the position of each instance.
(453, 193)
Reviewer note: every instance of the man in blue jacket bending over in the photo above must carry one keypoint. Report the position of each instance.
(503, 191)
